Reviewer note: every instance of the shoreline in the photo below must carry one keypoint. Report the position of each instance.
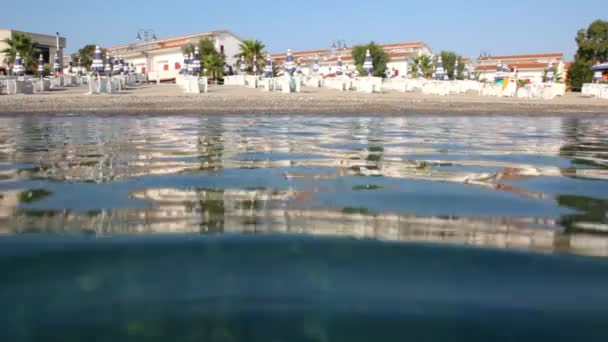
(167, 99)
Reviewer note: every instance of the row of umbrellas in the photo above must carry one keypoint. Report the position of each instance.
(192, 63)
(503, 71)
(112, 66)
(19, 67)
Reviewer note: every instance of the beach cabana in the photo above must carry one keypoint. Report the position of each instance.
(18, 68)
(97, 65)
(368, 65)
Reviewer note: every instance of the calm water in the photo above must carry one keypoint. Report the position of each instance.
(234, 228)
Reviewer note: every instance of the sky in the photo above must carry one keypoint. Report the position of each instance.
(468, 27)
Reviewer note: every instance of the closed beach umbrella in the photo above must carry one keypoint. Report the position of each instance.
(41, 65)
(409, 72)
(18, 68)
(368, 65)
(299, 67)
(440, 70)
(434, 74)
(289, 66)
(70, 66)
(79, 67)
(243, 66)
(550, 76)
(124, 66)
(108, 68)
(315, 66)
(190, 65)
(499, 72)
(57, 64)
(455, 76)
(184, 68)
(419, 72)
(97, 65)
(132, 69)
(268, 67)
(116, 70)
(196, 62)
(255, 65)
(339, 67)
(465, 73)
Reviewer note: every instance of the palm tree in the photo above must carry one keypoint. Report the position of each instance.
(213, 64)
(426, 63)
(250, 48)
(25, 46)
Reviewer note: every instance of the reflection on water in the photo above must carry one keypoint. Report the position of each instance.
(509, 182)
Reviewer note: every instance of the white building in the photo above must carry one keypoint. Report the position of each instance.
(523, 67)
(399, 53)
(162, 59)
(44, 43)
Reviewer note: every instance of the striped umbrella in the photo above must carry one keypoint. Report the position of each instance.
(117, 67)
(299, 67)
(184, 68)
(18, 68)
(434, 73)
(440, 71)
(196, 62)
(419, 72)
(409, 72)
(550, 76)
(315, 66)
(268, 67)
(57, 64)
(255, 64)
(465, 73)
(499, 72)
(108, 68)
(97, 65)
(41, 65)
(368, 65)
(124, 66)
(70, 65)
(79, 67)
(339, 67)
(132, 69)
(190, 63)
(455, 75)
(243, 66)
(289, 66)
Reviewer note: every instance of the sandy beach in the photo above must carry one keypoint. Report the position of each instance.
(169, 99)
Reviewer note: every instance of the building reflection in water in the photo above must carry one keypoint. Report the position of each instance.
(502, 154)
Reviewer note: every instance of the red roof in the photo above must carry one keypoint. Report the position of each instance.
(512, 65)
(539, 55)
(310, 52)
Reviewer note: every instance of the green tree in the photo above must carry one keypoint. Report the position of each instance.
(85, 55)
(592, 48)
(213, 65)
(250, 48)
(23, 44)
(426, 64)
(379, 58)
(205, 47)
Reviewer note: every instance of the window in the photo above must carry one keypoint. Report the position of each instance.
(178, 66)
(166, 67)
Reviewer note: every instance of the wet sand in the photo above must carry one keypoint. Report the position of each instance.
(169, 99)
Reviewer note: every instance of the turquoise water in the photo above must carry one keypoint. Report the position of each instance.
(311, 228)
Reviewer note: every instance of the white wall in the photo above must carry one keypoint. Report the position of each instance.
(231, 46)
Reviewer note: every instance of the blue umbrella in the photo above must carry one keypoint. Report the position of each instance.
(440, 70)
(289, 66)
(41, 65)
(116, 70)
(57, 64)
(268, 67)
(108, 68)
(255, 65)
(18, 68)
(184, 69)
(339, 67)
(190, 65)
(196, 62)
(419, 72)
(550, 76)
(97, 65)
(600, 67)
(368, 65)
(499, 72)
(242, 66)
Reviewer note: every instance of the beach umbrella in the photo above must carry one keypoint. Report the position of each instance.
(499, 72)
(368, 65)
(439, 72)
(550, 75)
(108, 68)
(268, 67)
(299, 67)
(243, 66)
(8, 69)
(419, 72)
(196, 62)
(455, 70)
(184, 67)
(289, 66)
(97, 65)
(41, 65)
(339, 67)
(124, 66)
(117, 67)
(465, 73)
(79, 67)
(132, 69)
(255, 64)
(70, 65)
(434, 74)
(190, 65)
(57, 64)
(315, 66)
(18, 68)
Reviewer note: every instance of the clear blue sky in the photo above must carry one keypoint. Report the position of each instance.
(467, 27)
